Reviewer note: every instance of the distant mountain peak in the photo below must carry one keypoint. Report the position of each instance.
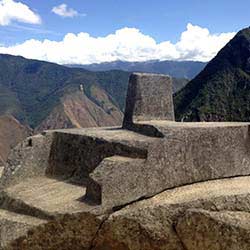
(177, 69)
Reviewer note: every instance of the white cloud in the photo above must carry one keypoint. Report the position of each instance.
(17, 11)
(197, 43)
(64, 11)
(127, 44)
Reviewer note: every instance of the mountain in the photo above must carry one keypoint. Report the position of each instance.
(179, 83)
(11, 133)
(45, 95)
(32, 91)
(221, 92)
(177, 69)
(76, 110)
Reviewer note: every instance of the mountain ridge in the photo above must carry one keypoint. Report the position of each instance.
(221, 92)
(176, 69)
(30, 89)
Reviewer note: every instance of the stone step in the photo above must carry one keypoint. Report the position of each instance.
(44, 198)
(13, 226)
(77, 152)
(116, 181)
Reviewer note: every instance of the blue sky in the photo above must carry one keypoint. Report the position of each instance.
(162, 20)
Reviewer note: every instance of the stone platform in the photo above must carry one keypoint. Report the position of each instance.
(62, 175)
(116, 166)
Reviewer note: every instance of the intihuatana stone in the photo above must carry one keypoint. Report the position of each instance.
(79, 182)
(149, 97)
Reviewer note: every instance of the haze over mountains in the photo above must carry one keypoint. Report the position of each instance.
(177, 69)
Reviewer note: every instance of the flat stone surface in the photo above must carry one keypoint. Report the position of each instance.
(204, 191)
(170, 124)
(49, 195)
(20, 218)
(29, 159)
(112, 134)
(149, 97)
(208, 190)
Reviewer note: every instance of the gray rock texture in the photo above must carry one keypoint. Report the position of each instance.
(194, 152)
(13, 225)
(76, 153)
(28, 159)
(100, 159)
(141, 187)
(117, 179)
(149, 97)
(151, 224)
(69, 232)
(188, 153)
(200, 229)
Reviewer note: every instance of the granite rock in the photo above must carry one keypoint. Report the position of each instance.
(65, 233)
(132, 188)
(149, 97)
(201, 229)
(151, 224)
(13, 225)
(28, 159)
(116, 179)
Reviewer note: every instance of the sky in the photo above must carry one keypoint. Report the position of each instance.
(95, 31)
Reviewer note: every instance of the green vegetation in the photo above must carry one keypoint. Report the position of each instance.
(221, 92)
(29, 89)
